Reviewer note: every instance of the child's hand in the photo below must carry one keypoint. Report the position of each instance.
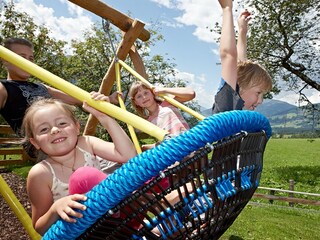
(92, 110)
(113, 98)
(99, 96)
(243, 20)
(66, 207)
(159, 90)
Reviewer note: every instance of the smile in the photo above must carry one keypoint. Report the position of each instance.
(59, 140)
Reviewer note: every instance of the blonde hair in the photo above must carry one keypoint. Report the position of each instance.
(251, 74)
(27, 123)
(142, 112)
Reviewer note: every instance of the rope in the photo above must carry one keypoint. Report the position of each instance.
(144, 166)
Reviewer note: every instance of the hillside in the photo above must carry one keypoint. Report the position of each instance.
(284, 118)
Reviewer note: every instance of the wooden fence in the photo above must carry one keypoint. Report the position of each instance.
(11, 151)
(290, 198)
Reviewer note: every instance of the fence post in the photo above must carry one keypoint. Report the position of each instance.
(291, 188)
(272, 192)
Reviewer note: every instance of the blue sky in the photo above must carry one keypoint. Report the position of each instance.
(184, 25)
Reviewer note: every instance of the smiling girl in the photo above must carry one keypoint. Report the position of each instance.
(148, 105)
(52, 128)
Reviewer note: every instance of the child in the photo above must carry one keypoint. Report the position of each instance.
(243, 84)
(17, 93)
(159, 112)
(52, 128)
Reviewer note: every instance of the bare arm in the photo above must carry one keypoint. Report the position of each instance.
(3, 95)
(121, 149)
(243, 20)
(45, 212)
(181, 94)
(228, 49)
(55, 93)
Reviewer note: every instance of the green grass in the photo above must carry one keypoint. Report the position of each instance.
(296, 159)
(274, 222)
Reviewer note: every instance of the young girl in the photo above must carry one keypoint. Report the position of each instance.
(51, 127)
(161, 113)
(243, 83)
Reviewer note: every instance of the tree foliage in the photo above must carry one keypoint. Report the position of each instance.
(86, 61)
(48, 52)
(284, 37)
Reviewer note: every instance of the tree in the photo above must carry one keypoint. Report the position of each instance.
(284, 37)
(48, 52)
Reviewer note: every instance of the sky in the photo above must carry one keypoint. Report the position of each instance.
(184, 24)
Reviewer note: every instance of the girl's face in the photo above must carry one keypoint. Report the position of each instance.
(54, 131)
(144, 98)
(252, 96)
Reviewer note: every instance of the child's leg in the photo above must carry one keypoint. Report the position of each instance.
(84, 179)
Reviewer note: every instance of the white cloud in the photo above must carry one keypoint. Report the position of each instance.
(62, 28)
(201, 14)
(172, 24)
(165, 3)
(204, 96)
(293, 97)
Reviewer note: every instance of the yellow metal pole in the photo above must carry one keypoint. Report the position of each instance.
(165, 97)
(82, 95)
(18, 209)
(130, 128)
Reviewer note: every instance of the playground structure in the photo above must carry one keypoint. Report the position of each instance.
(132, 30)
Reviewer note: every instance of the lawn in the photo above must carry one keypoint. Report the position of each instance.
(296, 159)
(275, 223)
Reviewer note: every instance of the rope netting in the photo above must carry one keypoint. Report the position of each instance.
(146, 165)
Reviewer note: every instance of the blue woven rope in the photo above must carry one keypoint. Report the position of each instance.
(146, 165)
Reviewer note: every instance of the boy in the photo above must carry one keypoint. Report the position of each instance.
(243, 83)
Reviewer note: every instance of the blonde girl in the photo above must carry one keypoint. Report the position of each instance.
(50, 125)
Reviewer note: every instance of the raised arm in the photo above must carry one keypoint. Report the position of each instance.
(121, 149)
(181, 94)
(243, 20)
(228, 49)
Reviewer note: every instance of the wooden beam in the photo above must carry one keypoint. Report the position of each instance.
(12, 162)
(117, 18)
(287, 199)
(122, 52)
(137, 62)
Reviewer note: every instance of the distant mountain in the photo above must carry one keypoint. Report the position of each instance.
(284, 118)
(271, 108)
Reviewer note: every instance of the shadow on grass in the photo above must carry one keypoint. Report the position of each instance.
(233, 237)
(302, 174)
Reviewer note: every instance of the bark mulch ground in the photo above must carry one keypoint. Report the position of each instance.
(11, 227)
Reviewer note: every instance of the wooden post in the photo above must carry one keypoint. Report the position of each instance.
(291, 188)
(108, 80)
(272, 192)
